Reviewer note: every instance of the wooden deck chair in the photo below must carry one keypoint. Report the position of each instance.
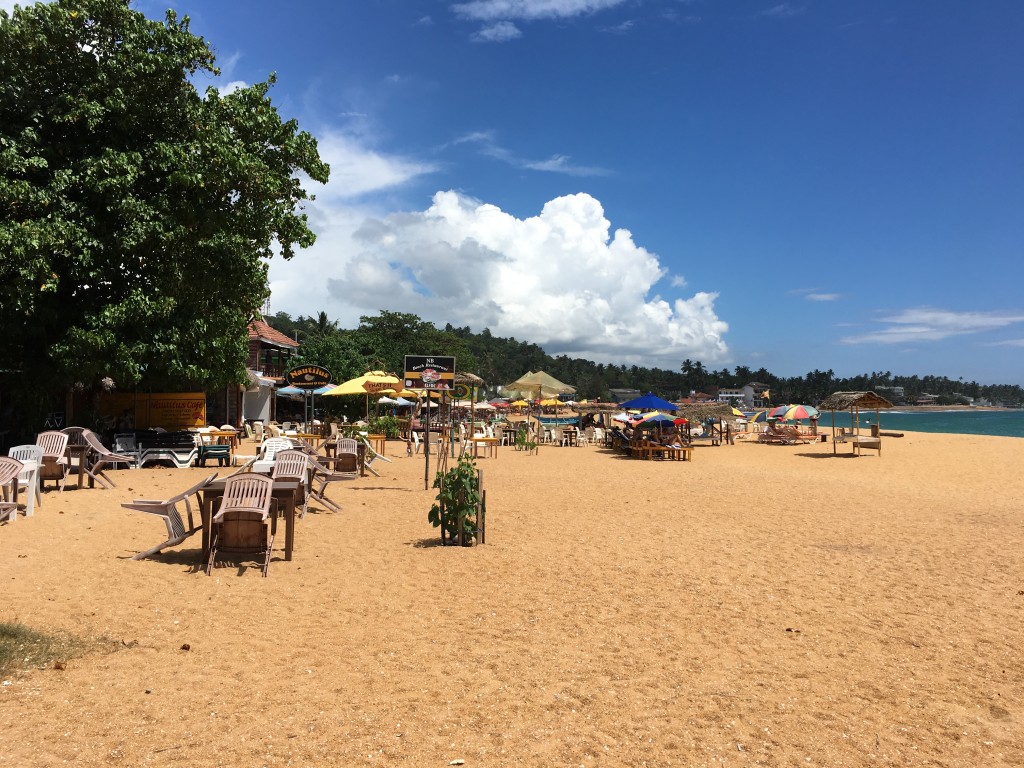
(371, 456)
(55, 463)
(324, 475)
(167, 510)
(10, 470)
(101, 458)
(293, 464)
(242, 528)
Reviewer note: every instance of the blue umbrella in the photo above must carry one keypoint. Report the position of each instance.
(290, 391)
(649, 402)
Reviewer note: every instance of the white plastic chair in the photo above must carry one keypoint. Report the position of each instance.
(31, 456)
(265, 463)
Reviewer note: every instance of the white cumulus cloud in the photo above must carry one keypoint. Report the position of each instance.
(499, 32)
(357, 170)
(561, 279)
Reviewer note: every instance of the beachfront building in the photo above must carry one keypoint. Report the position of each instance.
(271, 354)
(895, 394)
(752, 395)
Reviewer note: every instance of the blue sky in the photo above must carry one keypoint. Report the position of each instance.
(797, 185)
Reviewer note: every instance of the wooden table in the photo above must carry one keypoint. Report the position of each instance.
(81, 452)
(287, 492)
(378, 443)
(225, 434)
(491, 443)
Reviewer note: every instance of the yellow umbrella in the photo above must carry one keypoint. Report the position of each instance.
(371, 382)
(551, 401)
(738, 412)
(519, 403)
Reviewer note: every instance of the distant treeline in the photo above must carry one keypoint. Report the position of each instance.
(380, 342)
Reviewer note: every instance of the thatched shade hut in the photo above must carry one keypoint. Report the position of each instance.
(853, 402)
(695, 412)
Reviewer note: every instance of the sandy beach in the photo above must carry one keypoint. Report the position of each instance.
(761, 605)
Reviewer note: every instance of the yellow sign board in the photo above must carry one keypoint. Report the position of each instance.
(171, 410)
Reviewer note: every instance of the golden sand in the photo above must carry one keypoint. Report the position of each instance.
(762, 605)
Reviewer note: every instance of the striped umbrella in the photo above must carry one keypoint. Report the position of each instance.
(795, 412)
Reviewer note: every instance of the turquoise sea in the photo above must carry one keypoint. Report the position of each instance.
(1008, 423)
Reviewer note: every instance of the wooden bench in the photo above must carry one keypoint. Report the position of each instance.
(684, 453)
(863, 441)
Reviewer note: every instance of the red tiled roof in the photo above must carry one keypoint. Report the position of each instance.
(258, 329)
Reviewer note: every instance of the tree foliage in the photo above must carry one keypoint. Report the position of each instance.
(382, 340)
(136, 214)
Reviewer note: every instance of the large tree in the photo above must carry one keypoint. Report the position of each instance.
(136, 213)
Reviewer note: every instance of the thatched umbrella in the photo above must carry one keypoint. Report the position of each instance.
(852, 402)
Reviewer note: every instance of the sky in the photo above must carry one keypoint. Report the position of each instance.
(815, 185)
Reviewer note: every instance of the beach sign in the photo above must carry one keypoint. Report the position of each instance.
(308, 377)
(429, 372)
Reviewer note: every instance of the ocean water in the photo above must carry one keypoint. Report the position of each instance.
(1008, 423)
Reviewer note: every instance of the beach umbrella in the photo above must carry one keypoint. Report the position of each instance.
(801, 412)
(759, 417)
(657, 418)
(290, 392)
(551, 401)
(519, 403)
(385, 400)
(402, 402)
(371, 382)
(649, 402)
(544, 384)
(737, 412)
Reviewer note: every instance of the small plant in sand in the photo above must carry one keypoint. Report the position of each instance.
(457, 503)
(523, 441)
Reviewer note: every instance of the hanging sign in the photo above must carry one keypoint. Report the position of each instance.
(308, 377)
(462, 392)
(429, 372)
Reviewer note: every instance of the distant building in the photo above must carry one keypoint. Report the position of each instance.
(752, 395)
(622, 395)
(895, 393)
(271, 355)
